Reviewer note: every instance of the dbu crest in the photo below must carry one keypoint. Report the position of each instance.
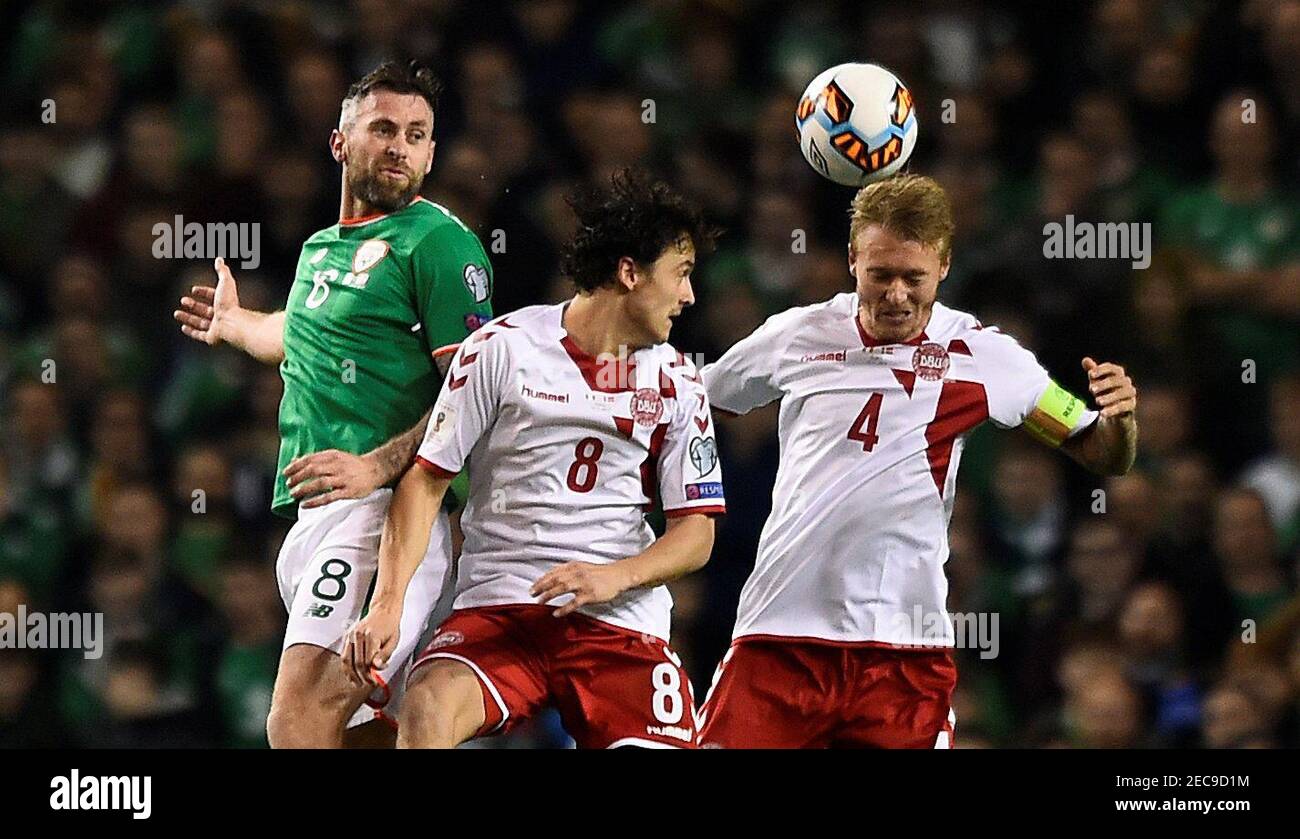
(647, 406)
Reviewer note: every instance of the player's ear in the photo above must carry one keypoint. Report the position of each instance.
(338, 146)
(625, 273)
(853, 260)
(433, 145)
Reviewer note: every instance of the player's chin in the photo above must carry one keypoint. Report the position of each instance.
(392, 194)
(399, 195)
(895, 325)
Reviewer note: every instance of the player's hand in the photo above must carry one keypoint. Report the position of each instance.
(1111, 388)
(370, 643)
(330, 475)
(204, 315)
(586, 581)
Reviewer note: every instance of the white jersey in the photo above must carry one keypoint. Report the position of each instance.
(565, 454)
(871, 435)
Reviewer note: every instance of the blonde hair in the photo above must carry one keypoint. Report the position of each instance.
(912, 207)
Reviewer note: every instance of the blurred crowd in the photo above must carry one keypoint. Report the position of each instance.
(1158, 609)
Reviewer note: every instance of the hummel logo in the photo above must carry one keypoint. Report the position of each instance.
(824, 356)
(677, 731)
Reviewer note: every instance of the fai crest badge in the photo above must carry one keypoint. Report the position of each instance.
(368, 255)
(476, 280)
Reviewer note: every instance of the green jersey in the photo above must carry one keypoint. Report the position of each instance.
(371, 299)
(1241, 237)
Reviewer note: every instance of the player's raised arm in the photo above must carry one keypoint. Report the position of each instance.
(1022, 394)
(213, 315)
(1108, 446)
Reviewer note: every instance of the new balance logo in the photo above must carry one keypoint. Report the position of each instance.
(319, 610)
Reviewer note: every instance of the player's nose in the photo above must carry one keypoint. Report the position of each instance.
(687, 297)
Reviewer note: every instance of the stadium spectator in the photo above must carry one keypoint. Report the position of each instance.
(1276, 476)
(1246, 546)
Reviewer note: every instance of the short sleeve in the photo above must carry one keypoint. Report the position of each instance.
(690, 472)
(743, 379)
(453, 284)
(467, 404)
(1019, 387)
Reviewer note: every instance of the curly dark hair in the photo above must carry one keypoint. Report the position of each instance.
(636, 216)
(411, 77)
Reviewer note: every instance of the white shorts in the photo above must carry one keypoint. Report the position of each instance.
(326, 571)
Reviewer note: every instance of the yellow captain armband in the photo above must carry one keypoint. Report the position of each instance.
(1055, 414)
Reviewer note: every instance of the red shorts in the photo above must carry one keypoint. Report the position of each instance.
(796, 694)
(612, 686)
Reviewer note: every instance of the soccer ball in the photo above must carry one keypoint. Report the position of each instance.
(856, 123)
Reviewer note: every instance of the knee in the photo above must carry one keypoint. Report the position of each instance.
(281, 731)
(312, 700)
(417, 728)
(437, 712)
(299, 728)
(427, 724)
